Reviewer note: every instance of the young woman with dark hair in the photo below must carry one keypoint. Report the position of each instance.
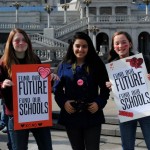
(82, 73)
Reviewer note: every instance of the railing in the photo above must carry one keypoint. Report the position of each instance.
(57, 47)
(25, 26)
(17, 0)
(60, 31)
(48, 41)
(120, 19)
(54, 46)
(70, 27)
(51, 54)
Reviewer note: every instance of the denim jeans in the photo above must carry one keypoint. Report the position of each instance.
(84, 138)
(4, 122)
(19, 138)
(128, 132)
(3, 119)
(9, 140)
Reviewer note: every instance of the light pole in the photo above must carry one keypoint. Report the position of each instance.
(65, 6)
(48, 9)
(87, 3)
(94, 30)
(17, 6)
(147, 3)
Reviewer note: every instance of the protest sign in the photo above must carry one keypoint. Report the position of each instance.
(130, 87)
(32, 103)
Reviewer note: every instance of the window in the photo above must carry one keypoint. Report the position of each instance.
(122, 10)
(64, 1)
(105, 10)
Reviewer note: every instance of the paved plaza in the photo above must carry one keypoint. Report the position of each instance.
(61, 142)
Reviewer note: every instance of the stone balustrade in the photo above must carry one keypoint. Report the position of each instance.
(60, 31)
(128, 19)
(58, 48)
(55, 49)
(70, 27)
(25, 26)
(50, 42)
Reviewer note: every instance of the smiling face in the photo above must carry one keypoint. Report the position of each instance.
(20, 45)
(121, 45)
(80, 49)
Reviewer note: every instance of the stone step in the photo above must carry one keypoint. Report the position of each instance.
(110, 128)
(113, 141)
(111, 120)
(107, 136)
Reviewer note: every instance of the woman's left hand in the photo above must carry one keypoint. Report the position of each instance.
(93, 107)
(109, 85)
(148, 76)
(54, 77)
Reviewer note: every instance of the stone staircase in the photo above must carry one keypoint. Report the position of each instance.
(65, 32)
(50, 49)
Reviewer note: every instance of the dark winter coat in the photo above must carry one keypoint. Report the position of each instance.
(68, 89)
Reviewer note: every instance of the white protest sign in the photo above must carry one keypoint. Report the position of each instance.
(130, 87)
(32, 97)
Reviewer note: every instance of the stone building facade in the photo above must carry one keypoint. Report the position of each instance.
(107, 16)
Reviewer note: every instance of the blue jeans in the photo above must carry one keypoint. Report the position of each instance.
(9, 145)
(128, 132)
(4, 122)
(3, 119)
(19, 138)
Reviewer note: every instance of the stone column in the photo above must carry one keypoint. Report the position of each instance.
(134, 37)
(129, 11)
(49, 32)
(81, 12)
(113, 10)
(97, 14)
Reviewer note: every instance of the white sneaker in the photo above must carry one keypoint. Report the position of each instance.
(4, 130)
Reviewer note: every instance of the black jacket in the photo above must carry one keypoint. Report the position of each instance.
(67, 89)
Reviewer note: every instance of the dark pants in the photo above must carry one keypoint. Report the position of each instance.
(82, 139)
(19, 138)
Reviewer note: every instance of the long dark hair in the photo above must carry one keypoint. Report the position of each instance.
(92, 60)
(70, 57)
(112, 54)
